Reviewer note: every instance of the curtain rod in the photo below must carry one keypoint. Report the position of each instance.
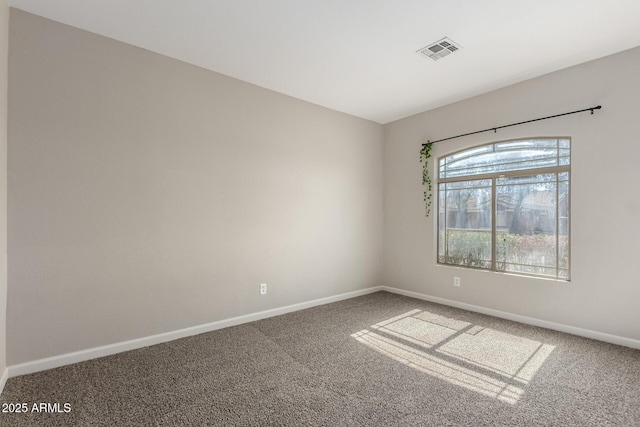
(516, 124)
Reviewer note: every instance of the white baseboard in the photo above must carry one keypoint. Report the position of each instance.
(3, 379)
(107, 350)
(600, 336)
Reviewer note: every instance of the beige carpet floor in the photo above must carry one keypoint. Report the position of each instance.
(377, 360)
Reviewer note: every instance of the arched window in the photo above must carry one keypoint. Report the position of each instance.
(505, 207)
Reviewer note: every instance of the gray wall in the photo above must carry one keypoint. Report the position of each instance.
(148, 195)
(605, 288)
(4, 52)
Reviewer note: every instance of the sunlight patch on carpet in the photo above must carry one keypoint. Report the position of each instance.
(490, 362)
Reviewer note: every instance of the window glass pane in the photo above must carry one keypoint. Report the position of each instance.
(470, 152)
(526, 226)
(511, 156)
(506, 156)
(491, 167)
(477, 183)
(527, 179)
(446, 161)
(563, 229)
(465, 209)
(527, 143)
(442, 212)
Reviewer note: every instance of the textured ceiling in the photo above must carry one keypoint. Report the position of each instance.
(359, 56)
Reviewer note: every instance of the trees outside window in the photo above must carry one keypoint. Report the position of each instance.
(505, 207)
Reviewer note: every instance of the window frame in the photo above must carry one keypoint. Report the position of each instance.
(493, 177)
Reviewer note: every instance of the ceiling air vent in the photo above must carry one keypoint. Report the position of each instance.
(440, 49)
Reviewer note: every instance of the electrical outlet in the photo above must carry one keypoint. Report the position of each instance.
(263, 288)
(456, 281)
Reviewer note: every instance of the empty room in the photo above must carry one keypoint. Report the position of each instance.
(319, 213)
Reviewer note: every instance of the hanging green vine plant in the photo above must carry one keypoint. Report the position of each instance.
(425, 154)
